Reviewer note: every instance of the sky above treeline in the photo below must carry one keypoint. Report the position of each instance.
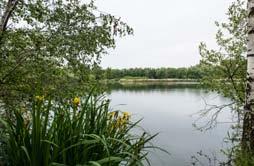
(166, 32)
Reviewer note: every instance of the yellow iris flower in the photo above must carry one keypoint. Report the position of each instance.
(112, 114)
(126, 115)
(39, 98)
(76, 101)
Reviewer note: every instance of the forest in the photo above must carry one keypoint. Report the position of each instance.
(194, 72)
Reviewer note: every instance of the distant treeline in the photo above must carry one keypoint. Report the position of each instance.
(193, 72)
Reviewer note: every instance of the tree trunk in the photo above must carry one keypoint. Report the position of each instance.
(11, 5)
(248, 121)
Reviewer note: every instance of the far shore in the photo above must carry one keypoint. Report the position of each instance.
(153, 81)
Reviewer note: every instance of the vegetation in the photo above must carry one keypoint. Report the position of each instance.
(244, 159)
(49, 52)
(71, 132)
(147, 86)
(52, 46)
(194, 72)
(226, 73)
(225, 67)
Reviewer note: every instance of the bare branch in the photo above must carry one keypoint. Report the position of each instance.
(212, 112)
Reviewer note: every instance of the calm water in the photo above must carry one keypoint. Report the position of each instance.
(169, 110)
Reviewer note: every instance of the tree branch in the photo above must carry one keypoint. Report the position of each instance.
(6, 16)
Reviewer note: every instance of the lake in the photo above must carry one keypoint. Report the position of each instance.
(171, 110)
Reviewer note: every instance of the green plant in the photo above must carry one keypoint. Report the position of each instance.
(72, 132)
(243, 159)
(55, 46)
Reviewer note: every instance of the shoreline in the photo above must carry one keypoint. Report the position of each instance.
(153, 81)
(158, 80)
(143, 82)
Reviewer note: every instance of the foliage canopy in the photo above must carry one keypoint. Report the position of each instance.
(225, 67)
(52, 46)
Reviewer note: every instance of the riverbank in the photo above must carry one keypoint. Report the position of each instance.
(153, 81)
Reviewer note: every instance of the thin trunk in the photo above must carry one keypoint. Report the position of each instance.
(248, 122)
(11, 5)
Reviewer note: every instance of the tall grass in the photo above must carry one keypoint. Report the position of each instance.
(244, 158)
(71, 132)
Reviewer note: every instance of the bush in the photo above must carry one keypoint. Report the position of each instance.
(71, 132)
(244, 159)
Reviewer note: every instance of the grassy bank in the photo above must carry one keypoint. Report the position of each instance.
(152, 81)
(157, 80)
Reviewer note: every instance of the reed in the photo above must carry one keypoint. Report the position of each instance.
(78, 131)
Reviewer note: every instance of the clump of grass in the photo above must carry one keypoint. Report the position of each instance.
(243, 158)
(72, 132)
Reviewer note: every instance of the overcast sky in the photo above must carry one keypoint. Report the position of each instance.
(166, 32)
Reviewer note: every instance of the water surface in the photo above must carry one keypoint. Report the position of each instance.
(170, 111)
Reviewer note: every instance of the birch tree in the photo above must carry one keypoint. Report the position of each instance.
(225, 71)
(248, 122)
(226, 67)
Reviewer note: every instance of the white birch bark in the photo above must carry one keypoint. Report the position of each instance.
(248, 123)
(250, 53)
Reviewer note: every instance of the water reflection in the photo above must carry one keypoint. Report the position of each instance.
(138, 87)
(167, 109)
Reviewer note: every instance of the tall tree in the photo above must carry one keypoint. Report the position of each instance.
(225, 70)
(51, 46)
(226, 67)
(248, 122)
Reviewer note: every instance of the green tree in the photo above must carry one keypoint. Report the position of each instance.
(225, 69)
(51, 46)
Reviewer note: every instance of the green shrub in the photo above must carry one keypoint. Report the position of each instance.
(71, 132)
(244, 159)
